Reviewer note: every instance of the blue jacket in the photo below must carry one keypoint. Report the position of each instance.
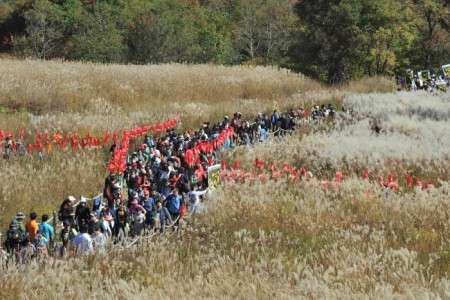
(149, 204)
(46, 230)
(174, 204)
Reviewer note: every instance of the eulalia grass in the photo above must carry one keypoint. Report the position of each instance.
(258, 240)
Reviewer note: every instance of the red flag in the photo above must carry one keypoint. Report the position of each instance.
(339, 175)
(365, 175)
(259, 164)
(49, 147)
(325, 185)
(223, 164)
(39, 147)
(106, 139)
(200, 172)
(390, 178)
(115, 138)
(237, 164)
(277, 174)
(39, 137)
(29, 148)
(74, 143)
(84, 143)
(409, 180)
(272, 167)
(182, 211)
(303, 172)
(263, 176)
(189, 157)
(22, 133)
(2, 134)
(381, 181)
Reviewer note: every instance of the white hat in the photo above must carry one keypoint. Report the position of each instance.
(83, 199)
(71, 198)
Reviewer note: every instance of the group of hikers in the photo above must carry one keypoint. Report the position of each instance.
(163, 183)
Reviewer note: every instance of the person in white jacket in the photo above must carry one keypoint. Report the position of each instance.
(194, 198)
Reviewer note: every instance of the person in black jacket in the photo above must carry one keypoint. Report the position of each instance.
(95, 223)
(82, 212)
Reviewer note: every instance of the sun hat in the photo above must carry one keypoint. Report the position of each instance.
(20, 215)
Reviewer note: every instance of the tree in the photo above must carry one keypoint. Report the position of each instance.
(43, 26)
(432, 24)
(262, 29)
(389, 36)
(97, 34)
(328, 39)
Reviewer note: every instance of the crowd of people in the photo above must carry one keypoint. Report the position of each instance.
(164, 179)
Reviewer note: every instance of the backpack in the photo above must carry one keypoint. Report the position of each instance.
(14, 237)
(61, 211)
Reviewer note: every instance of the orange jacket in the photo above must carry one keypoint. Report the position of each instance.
(32, 228)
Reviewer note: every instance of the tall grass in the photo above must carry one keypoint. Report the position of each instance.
(261, 240)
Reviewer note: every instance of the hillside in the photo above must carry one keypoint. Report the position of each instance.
(316, 236)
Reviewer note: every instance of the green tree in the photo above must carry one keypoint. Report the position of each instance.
(432, 23)
(329, 39)
(262, 29)
(389, 34)
(44, 30)
(97, 33)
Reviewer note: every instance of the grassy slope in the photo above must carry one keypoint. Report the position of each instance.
(255, 240)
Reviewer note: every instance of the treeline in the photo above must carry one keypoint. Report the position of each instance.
(333, 41)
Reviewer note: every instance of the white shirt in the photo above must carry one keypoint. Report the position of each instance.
(194, 198)
(83, 244)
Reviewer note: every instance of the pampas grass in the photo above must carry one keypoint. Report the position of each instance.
(256, 240)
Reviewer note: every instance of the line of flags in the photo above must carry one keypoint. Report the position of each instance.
(46, 143)
(264, 171)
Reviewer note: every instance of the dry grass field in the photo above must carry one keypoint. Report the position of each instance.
(255, 240)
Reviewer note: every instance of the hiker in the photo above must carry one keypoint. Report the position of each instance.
(139, 223)
(32, 227)
(164, 216)
(152, 219)
(194, 197)
(95, 223)
(82, 212)
(19, 218)
(14, 239)
(40, 245)
(122, 220)
(67, 235)
(46, 229)
(82, 243)
(174, 204)
(8, 147)
(66, 208)
(98, 241)
(107, 218)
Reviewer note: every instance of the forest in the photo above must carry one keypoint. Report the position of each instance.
(332, 41)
